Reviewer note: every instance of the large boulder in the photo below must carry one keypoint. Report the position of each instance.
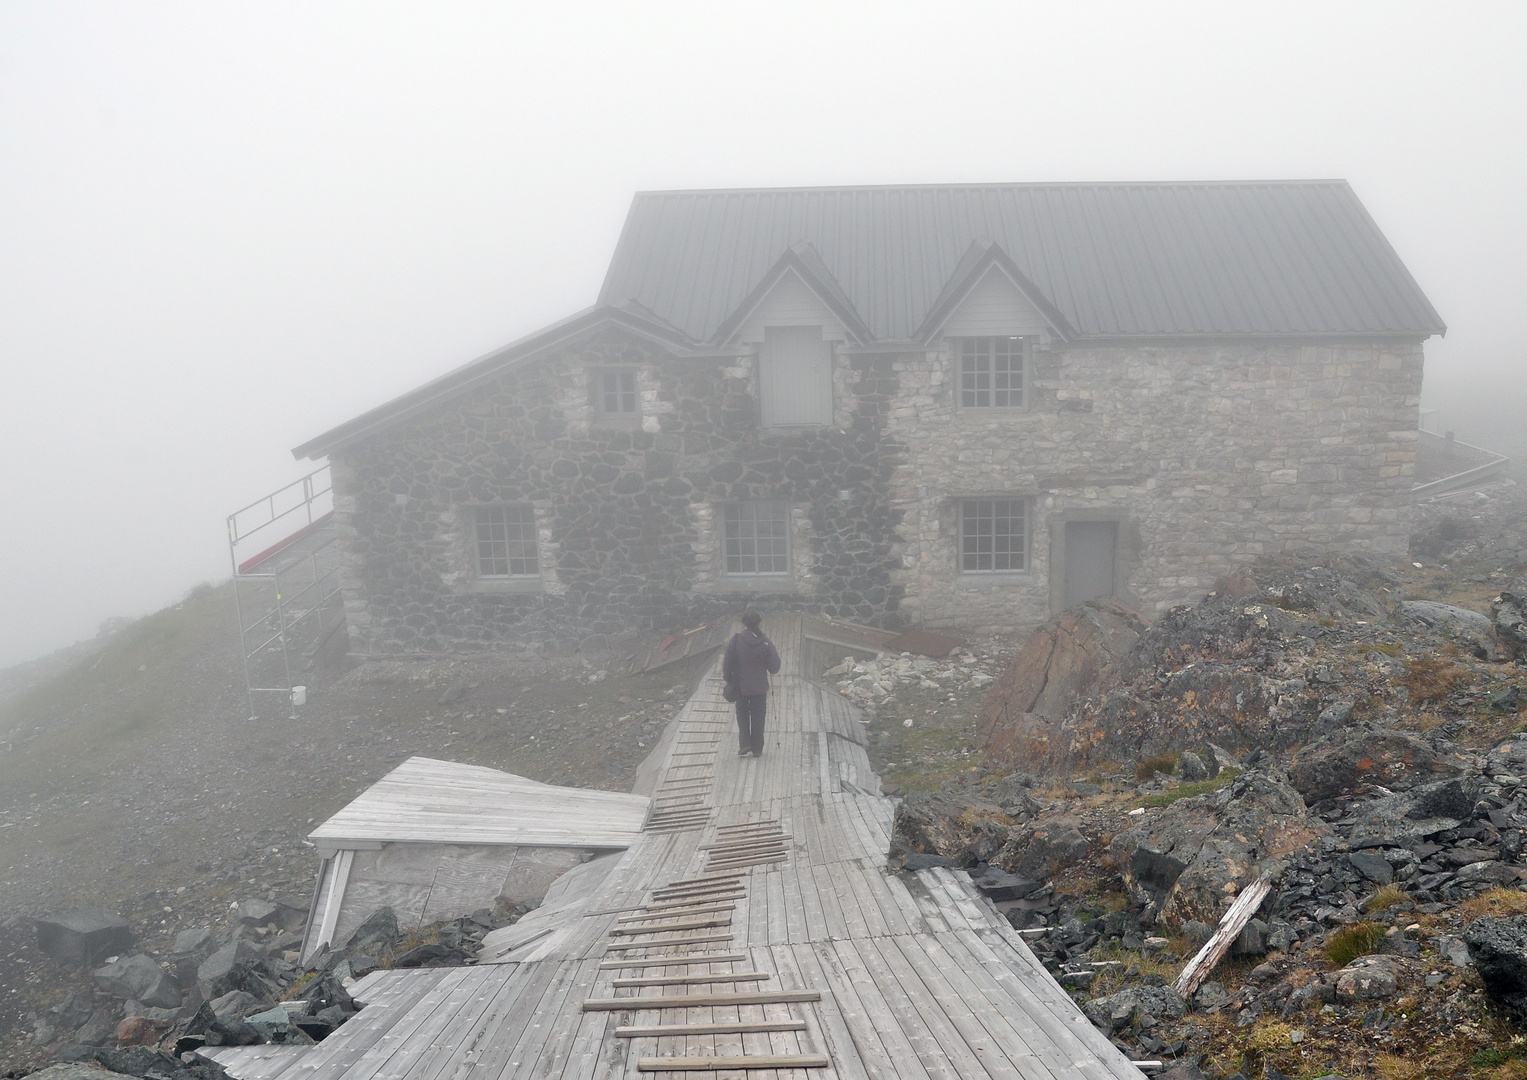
(1474, 631)
(1509, 615)
(1345, 762)
(139, 978)
(1499, 950)
(1058, 663)
(83, 937)
(236, 966)
(1191, 859)
(1133, 1004)
(1368, 978)
(961, 826)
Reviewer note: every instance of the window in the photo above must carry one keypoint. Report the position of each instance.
(992, 371)
(757, 538)
(994, 536)
(506, 542)
(617, 393)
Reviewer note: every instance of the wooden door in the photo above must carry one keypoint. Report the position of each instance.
(795, 377)
(1089, 559)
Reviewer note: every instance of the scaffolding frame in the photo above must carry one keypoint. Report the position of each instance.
(286, 594)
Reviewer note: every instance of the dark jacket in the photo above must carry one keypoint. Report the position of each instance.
(750, 658)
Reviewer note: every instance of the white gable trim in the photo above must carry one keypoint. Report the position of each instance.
(995, 306)
(790, 301)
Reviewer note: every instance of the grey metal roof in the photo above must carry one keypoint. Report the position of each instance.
(1115, 259)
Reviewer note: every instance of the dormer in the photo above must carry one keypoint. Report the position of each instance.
(988, 296)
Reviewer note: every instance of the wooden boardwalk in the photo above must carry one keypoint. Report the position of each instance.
(751, 932)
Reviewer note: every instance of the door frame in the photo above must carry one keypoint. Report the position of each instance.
(1126, 551)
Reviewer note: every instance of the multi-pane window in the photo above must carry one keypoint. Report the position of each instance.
(992, 373)
(617, 392)
(994, 536)
(506, 541)
(757, 538)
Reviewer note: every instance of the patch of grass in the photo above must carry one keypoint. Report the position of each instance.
(1270, 1035)
(1165, 764)
(1433, 678)
(1397, 1067)
(1385, 897)
(1187, 791)
(1499, 901)
(1350, 942)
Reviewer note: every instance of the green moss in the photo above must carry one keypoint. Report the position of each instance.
(1187, 791)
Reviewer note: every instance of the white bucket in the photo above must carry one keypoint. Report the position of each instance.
(299, 696)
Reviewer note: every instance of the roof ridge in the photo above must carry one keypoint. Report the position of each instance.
(994, 185)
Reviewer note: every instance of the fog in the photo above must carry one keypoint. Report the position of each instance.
(226, 228)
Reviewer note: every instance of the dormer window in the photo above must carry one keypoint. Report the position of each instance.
(993, 372)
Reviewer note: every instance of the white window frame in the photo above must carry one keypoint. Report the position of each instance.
(741, 550)
(995, 548)
(982, 364)
(623, 394)
(513, 530)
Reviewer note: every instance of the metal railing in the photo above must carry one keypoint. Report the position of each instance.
(285, 584)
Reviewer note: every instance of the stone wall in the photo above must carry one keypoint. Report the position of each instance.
(627, 513)
(1207, 456)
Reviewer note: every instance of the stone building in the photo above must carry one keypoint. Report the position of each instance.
(905, 406)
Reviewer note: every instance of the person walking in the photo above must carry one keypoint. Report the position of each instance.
(749, 661)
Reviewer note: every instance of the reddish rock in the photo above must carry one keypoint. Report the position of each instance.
(1059, 662)
(140, 1031)
(1347, 762)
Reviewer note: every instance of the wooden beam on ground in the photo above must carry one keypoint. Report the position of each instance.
(743, 1027)
(723, 1064)
(693, 980)
(675, 961)
(1224, 936)
(701, 1001)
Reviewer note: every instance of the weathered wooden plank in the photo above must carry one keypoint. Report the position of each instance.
(653, 1031)
(661, 942)
(695, 1001)
(736, 1062)
(676, 960)
(691, 980)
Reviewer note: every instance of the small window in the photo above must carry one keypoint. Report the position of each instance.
(757, 538)
(994, 536)
(506, 542)
(617, 392)
(993, 373)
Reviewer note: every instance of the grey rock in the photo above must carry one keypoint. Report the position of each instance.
(218, 1031)
(192, 940)
(71, 1012)
(99, 1030)
(1119, 1010)
(233, 967)
(1455, 950)
(1445, 616)
(1372, 866)
(1333, 716)
(139, 977)
(1368, 978)
(1499, 950)
(1210, 995)
(234, 1004)
(77, 1070)
(256, 912)
(1506, 700)
(1252, 940)
(1191, 767)
(83, 937)
(380, 927)
(1002, 886)
(1509, 612)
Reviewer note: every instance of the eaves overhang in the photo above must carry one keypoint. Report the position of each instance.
(628, 317)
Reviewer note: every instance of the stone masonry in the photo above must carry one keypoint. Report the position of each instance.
(1206, 456)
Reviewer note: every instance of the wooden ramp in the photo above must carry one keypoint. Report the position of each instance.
(750, 929)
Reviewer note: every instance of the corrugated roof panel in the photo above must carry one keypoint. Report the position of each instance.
(1298, 257)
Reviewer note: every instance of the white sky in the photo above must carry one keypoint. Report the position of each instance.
(226, 228)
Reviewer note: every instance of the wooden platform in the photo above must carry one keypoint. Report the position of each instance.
(445, 802)
(768, 876)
